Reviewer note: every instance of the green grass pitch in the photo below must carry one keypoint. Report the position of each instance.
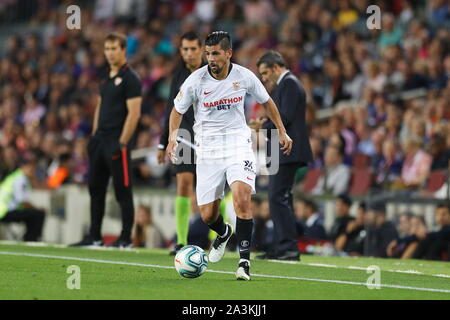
(40, 272)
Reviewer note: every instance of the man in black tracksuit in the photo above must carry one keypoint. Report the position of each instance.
(290, 97)
(191, 51)
(115, 121)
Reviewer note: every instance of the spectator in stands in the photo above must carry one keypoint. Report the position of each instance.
(337, 125)
(406, 241)
(390, 34)
(438, 11)
(317, 151)
(352, 240)
(61, 174)
(419, 232)
(365, 142)
(342, 207)
(439, 152)
(353, 81)
(388, 168)
(436, 245)
(412, 80)
(145, 233)
(337, 140)
(15, 205)
(308, 220)
(416, 166)
(80, 161)
(380, 232)
(336, 176)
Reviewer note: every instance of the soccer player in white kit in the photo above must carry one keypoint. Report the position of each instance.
(223, 142)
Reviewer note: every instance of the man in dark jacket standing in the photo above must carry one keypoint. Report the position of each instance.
(290, 97)
(116, 117)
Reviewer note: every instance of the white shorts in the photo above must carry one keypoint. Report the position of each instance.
(211, 177)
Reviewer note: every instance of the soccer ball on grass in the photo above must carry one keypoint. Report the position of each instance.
(191, 261)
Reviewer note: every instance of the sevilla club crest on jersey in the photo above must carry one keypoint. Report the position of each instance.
(236, 85)
(117, 81)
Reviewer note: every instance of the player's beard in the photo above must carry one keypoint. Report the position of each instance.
(217, 70)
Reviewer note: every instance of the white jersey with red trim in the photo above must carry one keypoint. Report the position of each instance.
(220, 126)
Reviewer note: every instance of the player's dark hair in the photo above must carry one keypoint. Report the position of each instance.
(191, 35)
(116, 36)
(271, 58)
(219, 37)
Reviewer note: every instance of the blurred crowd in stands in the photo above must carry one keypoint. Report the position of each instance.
(365, 232)
(378, 100)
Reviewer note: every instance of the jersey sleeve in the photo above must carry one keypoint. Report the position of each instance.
(133, 87)
(256, 88)
(185, 97)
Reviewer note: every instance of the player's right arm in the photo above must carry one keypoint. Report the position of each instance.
(96, 115)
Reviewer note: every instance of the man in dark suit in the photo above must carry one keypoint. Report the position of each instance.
(290, 97)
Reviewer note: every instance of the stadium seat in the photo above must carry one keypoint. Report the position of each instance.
(435, 181)
(360, 160)
(361, 181)
(310, 180)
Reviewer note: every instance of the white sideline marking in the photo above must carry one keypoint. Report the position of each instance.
(407, 271)
(362, 268)
(282, 261)
(322, 265)
(24, 254)
(356, 268)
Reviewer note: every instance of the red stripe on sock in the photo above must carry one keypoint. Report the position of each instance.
(125, 166)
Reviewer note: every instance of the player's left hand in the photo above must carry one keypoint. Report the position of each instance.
(286, 143)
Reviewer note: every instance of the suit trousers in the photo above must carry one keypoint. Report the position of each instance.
(282, 208)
